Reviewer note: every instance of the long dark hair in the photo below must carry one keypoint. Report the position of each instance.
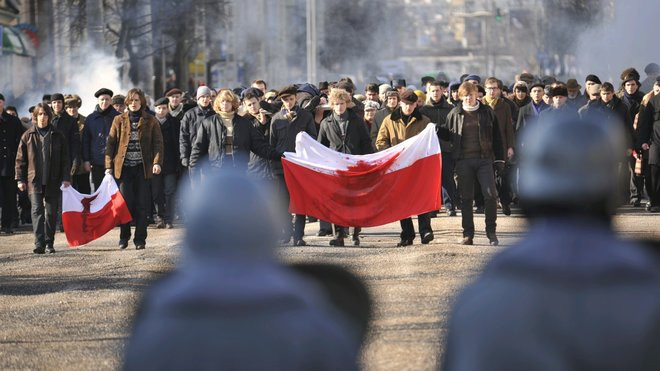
(46, 109)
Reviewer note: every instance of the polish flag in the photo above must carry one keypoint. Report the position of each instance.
(88, 217)
(369, 190)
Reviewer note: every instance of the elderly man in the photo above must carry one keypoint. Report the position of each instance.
(95, 134)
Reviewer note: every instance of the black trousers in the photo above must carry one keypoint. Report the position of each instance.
(503, 182)
(44, 216)
(98, 172)
(408, 230)
(470, 171)
(298, 228)
(163, 189)
(137, 193)
(81, 184)
(448, 183)
(655, 185)
(8, 191)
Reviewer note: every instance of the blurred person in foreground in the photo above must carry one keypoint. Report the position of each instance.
(571, 295)
(230, 305)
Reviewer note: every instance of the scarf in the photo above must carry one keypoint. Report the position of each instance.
(491, 101)
(105, 111)
(228, 120)
(175, 111)
(471, 108)
(134, 116)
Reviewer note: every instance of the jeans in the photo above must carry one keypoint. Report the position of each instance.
(136, 192)
(8, 191)
(470, 171)
(163, 189)
(298, 228)
(44, 217)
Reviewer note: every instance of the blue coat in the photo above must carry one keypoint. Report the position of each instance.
(95, 134)
(570, 296)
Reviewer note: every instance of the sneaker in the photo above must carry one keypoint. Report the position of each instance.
(427, 237)
(467, 240)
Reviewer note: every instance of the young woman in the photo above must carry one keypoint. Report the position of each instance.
(134, 152)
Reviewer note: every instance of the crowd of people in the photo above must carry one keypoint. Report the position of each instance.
(153, 149)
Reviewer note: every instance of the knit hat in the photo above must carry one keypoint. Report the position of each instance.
(118, 99)
(593, 78)
(409, 96)
(454, 86)
(572, 84)
(560, 91)
(2, 97)
(370, 105)
(420, 95)
(57, 96)
(173, 91)
(252, 91)
(203, 90)
(287, 90)
(161, 101)
(629, 74)
(520, 85)
(473, 77)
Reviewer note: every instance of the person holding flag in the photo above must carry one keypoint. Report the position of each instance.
(405, 122)
(42, 165)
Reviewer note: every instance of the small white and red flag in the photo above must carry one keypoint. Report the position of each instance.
(88, 217)
(368, 190)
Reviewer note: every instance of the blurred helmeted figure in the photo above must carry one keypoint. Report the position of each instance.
(571, 295)
(230, 305)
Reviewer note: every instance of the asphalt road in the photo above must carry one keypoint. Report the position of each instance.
(73, 309)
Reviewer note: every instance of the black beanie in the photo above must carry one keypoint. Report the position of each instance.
(593, 78)
(2, 97)
(57, 96)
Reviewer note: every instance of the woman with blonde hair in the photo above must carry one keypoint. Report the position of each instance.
(134, 152)
(227, 138)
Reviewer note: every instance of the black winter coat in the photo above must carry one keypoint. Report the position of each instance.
(527, 114)
(170, 131)
(68, 126)
(489, 132)
(283, 134)
(614, 110)
(95, 134)
(649, 121)
(190, 124)
(11, 131)
(211, 140)
(259, 166)
(437, 113)
(355, 141)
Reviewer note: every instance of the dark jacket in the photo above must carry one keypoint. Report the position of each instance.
(614, 110)
(489, 132)
(578, 101)
(570, 296)
(259, 166)
(633, 102)
(378, 121)
(528, 114)
(68, 126)
(151, 143)
(505, 122)
(437, 112)
(95, 134)
(190, 124)
(649, 122)
(29, 173)
(283, 133)
(356, 140)
(11, 131)
(211, 138)
(565, 112)
(170, 132)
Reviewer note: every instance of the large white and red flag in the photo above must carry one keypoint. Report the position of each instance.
(88, 217)
(368, 190)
